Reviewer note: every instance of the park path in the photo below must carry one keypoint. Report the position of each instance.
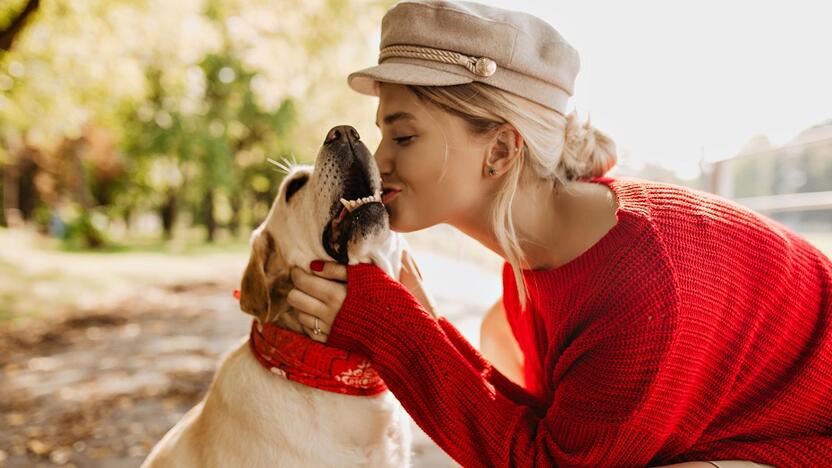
(98, 386)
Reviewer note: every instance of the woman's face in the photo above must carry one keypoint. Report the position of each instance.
(410, 157)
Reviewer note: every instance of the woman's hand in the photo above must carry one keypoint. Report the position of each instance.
(318, 297)
(321, 294)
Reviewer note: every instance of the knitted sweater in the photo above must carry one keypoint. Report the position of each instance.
(695, 329)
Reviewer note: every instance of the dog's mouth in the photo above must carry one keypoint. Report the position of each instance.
(357, 210)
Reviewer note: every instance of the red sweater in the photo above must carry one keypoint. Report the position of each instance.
(695, 329)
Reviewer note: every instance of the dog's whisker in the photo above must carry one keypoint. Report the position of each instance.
(287, 164)
(281, 165)
(277, 164)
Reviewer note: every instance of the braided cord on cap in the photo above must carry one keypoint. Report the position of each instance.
(482, 66)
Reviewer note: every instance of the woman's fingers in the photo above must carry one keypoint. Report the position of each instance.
(411, 278)
(318, 295)
(410, 263)
(308, 322)
(306, 303)
(330, 292)
(330, 270)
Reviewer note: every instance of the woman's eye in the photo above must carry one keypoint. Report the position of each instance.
(403, 140)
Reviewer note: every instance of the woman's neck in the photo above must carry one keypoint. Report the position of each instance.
(539, 213)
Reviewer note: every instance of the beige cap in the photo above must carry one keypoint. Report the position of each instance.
(439, 43)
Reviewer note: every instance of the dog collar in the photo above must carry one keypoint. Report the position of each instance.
(304, 360)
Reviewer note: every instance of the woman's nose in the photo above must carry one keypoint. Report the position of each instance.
(384, 163)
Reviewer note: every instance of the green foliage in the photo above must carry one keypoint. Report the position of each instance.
(198, 94)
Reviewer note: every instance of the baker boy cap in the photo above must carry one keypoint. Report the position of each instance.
(440, 43)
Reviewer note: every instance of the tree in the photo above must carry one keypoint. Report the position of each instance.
(10, 32)
(196, 94)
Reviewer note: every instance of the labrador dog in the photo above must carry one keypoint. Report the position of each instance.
(252, 417)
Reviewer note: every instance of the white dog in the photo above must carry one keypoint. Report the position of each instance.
(254, 416)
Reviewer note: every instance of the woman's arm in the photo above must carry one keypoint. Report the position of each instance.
(507, 377)
(497, 343)
(453, 401)
(614, 406)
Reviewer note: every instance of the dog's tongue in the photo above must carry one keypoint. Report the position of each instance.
(341, 214)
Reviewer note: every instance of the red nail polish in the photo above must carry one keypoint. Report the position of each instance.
(237, 294)
(317, 265)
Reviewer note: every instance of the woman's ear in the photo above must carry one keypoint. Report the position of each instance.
(254, 291)
(503, 150)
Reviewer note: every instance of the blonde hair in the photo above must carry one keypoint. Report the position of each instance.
(556, 148)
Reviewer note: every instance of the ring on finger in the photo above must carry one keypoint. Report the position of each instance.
(317, 330)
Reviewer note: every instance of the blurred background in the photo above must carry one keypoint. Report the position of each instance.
(134, 145)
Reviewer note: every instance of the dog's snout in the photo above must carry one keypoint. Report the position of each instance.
(343, 134)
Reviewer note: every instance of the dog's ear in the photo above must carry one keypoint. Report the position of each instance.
(254, 290)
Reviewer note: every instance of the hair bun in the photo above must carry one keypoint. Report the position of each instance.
(587, 151)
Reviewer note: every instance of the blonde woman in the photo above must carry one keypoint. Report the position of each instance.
(641, 323)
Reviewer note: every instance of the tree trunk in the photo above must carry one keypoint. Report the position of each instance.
(168, 214)
(11, 190)
(27, 193)
(236, 202)
(8, 35)
(210, 222)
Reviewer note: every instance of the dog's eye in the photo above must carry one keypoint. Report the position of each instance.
(295, 185)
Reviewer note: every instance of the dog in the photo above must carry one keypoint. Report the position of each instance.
(254, 416)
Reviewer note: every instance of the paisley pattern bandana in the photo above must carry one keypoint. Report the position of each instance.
(302, 359)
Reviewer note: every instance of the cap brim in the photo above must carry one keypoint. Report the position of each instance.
(402, 73)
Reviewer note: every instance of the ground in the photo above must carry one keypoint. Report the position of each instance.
(96, 381)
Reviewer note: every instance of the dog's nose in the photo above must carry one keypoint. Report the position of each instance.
(341, 133)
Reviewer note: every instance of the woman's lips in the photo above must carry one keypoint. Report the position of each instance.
(386, 197)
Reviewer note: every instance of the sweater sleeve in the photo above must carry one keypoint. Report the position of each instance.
(501, 383)
(448, 396)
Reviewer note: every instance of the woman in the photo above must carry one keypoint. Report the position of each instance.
(644, 323)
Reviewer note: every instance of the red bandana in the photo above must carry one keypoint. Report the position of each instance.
(302, 359)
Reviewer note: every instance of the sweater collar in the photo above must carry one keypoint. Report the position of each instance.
(304, 360)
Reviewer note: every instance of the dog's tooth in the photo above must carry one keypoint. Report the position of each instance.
(345, 203)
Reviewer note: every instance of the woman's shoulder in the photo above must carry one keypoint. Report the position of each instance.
(684, 215)
(710, 239)
(681, 214)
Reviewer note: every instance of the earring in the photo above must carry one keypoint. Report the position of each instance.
(491, 171)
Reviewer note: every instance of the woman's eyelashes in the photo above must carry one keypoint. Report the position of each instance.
(403, 141)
